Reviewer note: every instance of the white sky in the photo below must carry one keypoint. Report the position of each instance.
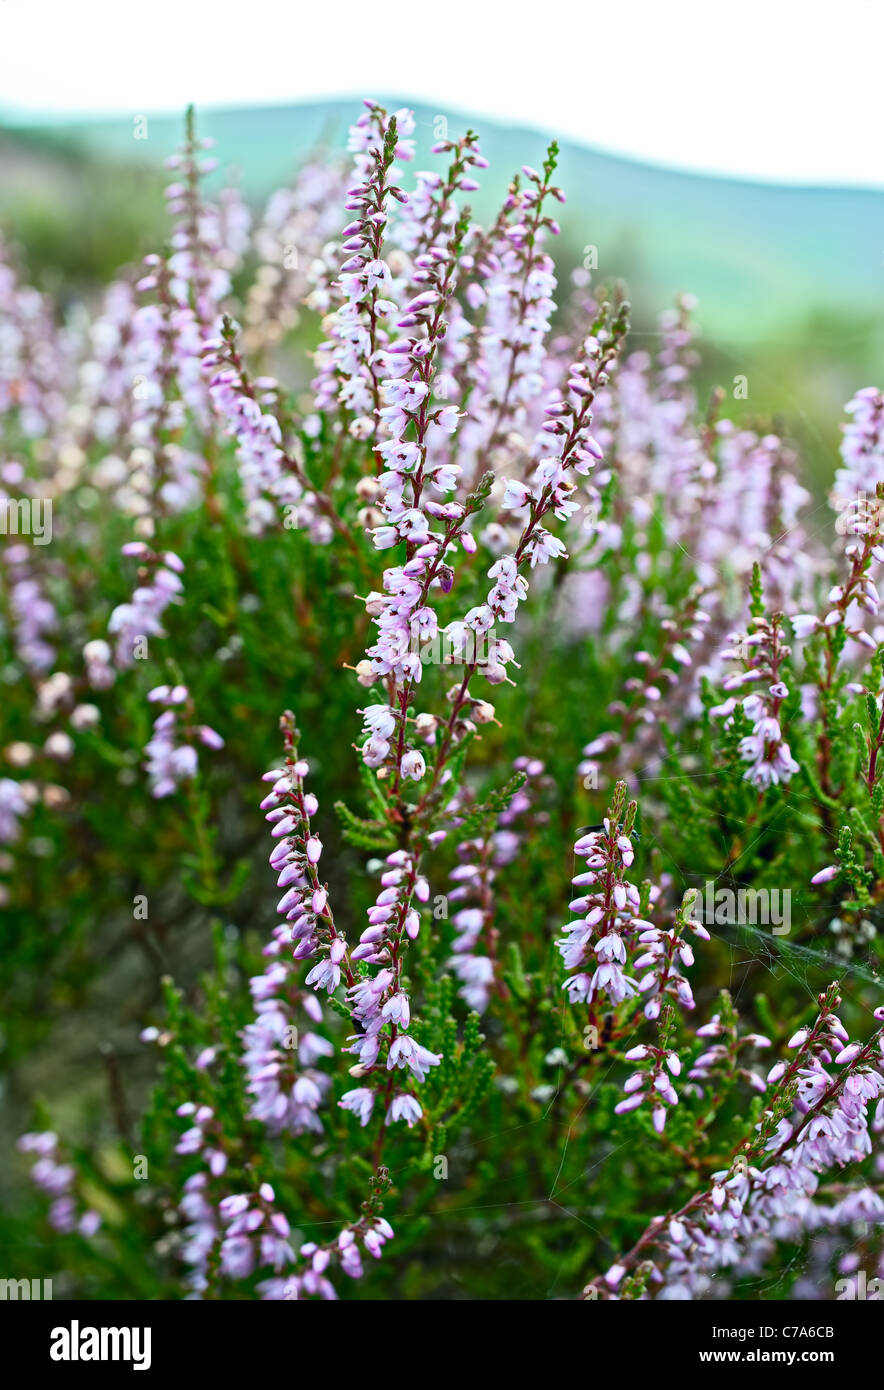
(772, 89)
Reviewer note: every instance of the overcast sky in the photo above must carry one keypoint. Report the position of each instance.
(772, 89)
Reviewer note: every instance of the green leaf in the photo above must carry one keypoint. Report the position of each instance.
(364, 834)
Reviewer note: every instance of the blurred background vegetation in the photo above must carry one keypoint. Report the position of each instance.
(785, 276)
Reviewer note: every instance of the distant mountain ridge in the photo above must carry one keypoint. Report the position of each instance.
(758, 256)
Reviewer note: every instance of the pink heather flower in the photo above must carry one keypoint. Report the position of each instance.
(324, 975)
(13, 807)
(405, 1052)
(360, 1101)
(171, 756)
(826, 875)
(58, 1179)
(804, 624)
(33, 615)
(134, 622)
(765, 749)
(597, 946)
(413, 765)
(405, 1108)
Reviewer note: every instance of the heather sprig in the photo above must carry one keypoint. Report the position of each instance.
(812, 1120)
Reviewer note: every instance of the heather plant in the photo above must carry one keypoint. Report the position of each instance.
(541, 684)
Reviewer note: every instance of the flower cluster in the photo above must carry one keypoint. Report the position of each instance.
(286, 1086)
(58, 1179)
(855, 489)
(762, 651)
(380, 1004)
(32, 612)
(294, 858)
(271, 478)
(13, 807)
(227, 1236)
(135, 622)
(651, 1083)
(171, 752)
(309, 1279)
(355, 330)
(652, 696)
(36, 360)
(815, 1119)
(596, 945)
(230, 1236)
(475, 954)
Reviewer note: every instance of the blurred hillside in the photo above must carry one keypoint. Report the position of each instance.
(790, 280)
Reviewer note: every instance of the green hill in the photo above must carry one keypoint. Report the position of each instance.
(755, 254)
(790, 280)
